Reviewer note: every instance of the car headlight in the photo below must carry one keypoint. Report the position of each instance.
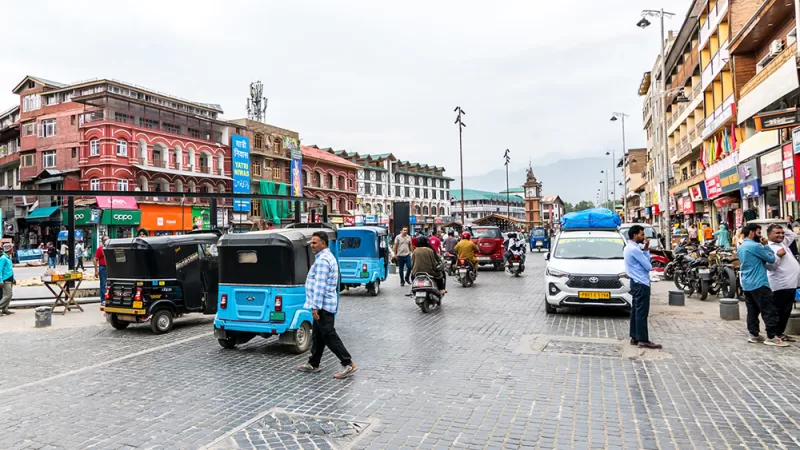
(556, 273)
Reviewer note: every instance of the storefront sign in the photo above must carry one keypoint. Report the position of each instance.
(350, 220)
(759, 143)
(370, 219)
(796, 139)
(688, 205)
(673, 205)
(290, 144)
(774, 120)
(240, 148)
(412, 220)
(201, 217)
(121, 217)
(713, 187)
(729, 180)
(116, 203)
(771, 167)
(656, 210)
(83, 217)
(168, 217)
(438, 220)
(697, 192)
(337, 220)
(789, 189)
(749, 183)
(725, 201)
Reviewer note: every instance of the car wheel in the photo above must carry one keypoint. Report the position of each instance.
(548, 308)
(162, 321)
(301, 338)
(374, 288)
(116, 323)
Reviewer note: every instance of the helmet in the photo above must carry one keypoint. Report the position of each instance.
(465, 235)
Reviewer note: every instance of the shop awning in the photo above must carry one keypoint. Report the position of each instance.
(42, 214)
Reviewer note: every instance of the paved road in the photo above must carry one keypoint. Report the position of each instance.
(489, 370)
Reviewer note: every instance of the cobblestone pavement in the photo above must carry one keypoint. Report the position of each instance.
(488, 370)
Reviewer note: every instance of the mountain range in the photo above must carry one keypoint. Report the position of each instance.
(571, 179)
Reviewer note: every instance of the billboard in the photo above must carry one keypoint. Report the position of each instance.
(290, 144)
(240, 149)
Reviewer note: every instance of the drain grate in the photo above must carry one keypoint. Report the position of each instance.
(584, 348)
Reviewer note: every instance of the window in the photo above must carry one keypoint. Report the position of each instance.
(416, 194)
(31, 102)
(258, 141)
(408, 192)
(49, 159)
(397, 191)
(256, 168)
(247, 257)
(276, 173)
(51, 99)
(94, 184)
(94, 147)
(29, 160)
(122, 148)
(122, 185)
(29, 129)
(148, 123)
(47, 128)
(170, 128)
(72, 119)
(122, 117)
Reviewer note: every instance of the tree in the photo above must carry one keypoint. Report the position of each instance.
(568, 207)
(580, 206)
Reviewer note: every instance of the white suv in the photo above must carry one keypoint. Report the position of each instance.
(586, 268)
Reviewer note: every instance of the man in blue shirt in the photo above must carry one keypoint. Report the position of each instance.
(7, 276)
(754, 255)
(637, 265)
(322, 298)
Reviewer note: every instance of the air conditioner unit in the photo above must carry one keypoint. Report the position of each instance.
(775, 47)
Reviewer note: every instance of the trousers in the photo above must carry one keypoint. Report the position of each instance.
(784, 302)
(8, 292)
(761, 301)
(404, 267)
(323, 334)
(640, 309)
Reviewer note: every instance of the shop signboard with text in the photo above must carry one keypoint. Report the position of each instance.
(749, 183)
(771, 165)
(121, 217)
(240, 149)
(688, 205)
(116, 203)
(796, 140)
(697, 192)
(296, 165)
(714, 187)
(789, 189)
(729, 180)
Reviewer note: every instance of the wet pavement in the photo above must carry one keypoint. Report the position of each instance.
(488, 370)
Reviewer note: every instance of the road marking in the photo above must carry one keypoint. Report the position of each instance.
(102, 364)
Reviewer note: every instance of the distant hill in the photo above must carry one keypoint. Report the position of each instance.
(571, 179)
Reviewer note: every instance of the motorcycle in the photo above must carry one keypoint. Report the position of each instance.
(723, 280)
(450, 263)
(692, 274)
(515, 265)
(660, 261)
(426, 292)
(465, 273)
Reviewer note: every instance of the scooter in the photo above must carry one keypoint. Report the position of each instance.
(465, 272)
(426, 292)
(515, 265)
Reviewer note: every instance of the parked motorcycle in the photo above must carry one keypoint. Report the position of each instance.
(692, 271)
(426, 292)
(724, 280)
(660, 261)
(465, 273)
(515, 265)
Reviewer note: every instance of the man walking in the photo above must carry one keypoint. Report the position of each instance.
(100, 268)
(783, 275)
(7, 275)
(754, 256)
(402, 251)
(637, 265)
(323, 301)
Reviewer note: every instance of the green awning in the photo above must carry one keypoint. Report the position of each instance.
(42, 214)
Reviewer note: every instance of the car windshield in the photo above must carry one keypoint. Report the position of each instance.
(538, 232)
(486, 233)
(590, 247)
(649, 232)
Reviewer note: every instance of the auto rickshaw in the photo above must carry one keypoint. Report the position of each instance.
(364, 257)
(539, 239)
(158, 279)
(262, 285)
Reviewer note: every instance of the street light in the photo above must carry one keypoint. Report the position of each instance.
(605, 172)
(461, 126)
(644, 23)
(507, 157)
(621, 116)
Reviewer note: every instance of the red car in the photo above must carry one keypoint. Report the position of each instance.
(490, 242)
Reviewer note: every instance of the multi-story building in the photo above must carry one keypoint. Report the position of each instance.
(331, 179)
(552, 210)
(480, 204)
(269, 160)
(634, 173)
(9, 165)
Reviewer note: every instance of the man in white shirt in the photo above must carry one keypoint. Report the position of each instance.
(783, 275)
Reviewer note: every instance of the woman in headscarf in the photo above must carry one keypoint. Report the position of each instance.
(723, 237)
(425, 260)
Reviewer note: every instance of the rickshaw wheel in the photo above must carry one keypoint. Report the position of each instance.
(374, 288)
(229, 342)
(301, 338)
(162, 321)
(116, 323)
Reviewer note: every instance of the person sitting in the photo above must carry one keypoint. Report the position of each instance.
(466, 249)
(426, 260)
(515, 247)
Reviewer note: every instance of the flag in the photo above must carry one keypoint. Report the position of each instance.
(703, 155)
(726, 143)
(733, 138)
(719, 148)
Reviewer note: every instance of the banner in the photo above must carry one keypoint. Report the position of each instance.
(240, 149)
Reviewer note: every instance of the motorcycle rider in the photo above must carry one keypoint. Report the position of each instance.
(426, 260)
(515, 247)
(466, 249)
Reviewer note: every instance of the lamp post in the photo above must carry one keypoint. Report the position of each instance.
(507, 157)
(644, 23)
(621, 116)
(606, 185)
(461, 126)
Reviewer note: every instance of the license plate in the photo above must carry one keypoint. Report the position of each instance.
(462, 271)
(538, 244)
(485, 259)
(595, 295)
(419, 294)
(704, 271)
(279, 316)
(364, 275)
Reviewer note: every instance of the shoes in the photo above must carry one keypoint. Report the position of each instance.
(776, 342)
(787, 338)
(634, 341)
(8, 312)
(346, 372)
(755, 339)
(649, 344)
(307, 368)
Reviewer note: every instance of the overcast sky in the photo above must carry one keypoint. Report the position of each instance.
(540, 78)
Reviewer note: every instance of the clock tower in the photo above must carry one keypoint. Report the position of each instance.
(533, 199)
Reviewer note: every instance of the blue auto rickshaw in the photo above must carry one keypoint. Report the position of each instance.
(262, 277)
(364, 257)
(539, 239)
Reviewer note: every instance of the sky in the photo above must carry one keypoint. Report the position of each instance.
(539, 78)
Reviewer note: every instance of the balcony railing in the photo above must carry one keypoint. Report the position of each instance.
(715, 16)
(151, 123)
(718, 118)
(158, 162)
(776, 63)
(718, 61)
(205, 169)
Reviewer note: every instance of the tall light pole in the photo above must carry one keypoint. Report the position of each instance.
(461, 126)
(621, 117)
(507, 157)
(644, 23)
(607, 187)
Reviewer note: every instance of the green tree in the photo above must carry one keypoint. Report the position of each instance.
(568, 207)
(583, 204)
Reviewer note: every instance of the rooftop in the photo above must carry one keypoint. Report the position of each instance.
(472, 194)
(318, 154)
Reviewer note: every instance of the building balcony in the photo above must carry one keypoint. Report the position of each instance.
(715, 16)
(685, 183)
(718, 62)
(155, 122)
(776, 79)
(720, 117)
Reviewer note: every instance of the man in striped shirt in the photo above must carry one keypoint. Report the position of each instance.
(322, 298)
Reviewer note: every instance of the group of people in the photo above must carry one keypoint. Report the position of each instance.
(57, 256)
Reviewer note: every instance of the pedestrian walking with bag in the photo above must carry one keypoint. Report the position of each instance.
(638, 267)
(100, 268)
(322, 298)
(79, 255)
(7, 275)
(783, 275)
(754, 256)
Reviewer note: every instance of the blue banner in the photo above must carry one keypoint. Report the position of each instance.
(297, 177)
(240, 150)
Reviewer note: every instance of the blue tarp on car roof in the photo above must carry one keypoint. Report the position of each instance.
(591, 218)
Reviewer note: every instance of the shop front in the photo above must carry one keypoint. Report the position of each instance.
(771, 168)
(164, 220)
(120, 223)
(749, 190)
(86, 221)
(42, 226)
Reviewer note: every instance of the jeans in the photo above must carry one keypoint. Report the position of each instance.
(323, 334)
(761, 301)
(784, 302)
(51, 261)
(79, 263)
(8, 291)
(404, 262)
(507, 256)
(640, 308)
(102, 272)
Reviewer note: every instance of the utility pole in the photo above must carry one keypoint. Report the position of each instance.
(507, 157)
(614, 117)
(461, 126)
